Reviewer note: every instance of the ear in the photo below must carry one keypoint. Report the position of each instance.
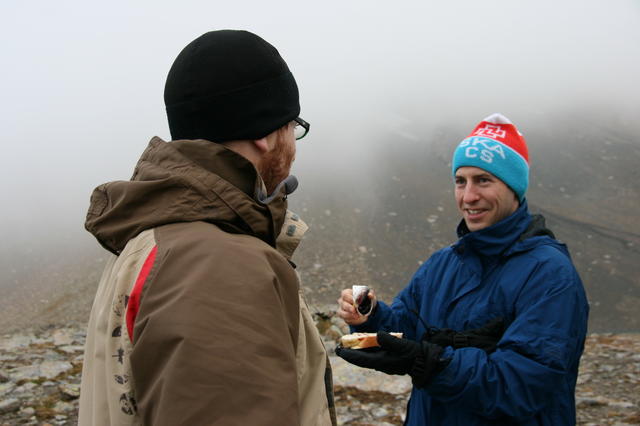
(262, 144)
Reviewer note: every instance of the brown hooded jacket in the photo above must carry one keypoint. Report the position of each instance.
(196, 319)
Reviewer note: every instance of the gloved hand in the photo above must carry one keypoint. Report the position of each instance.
(485, 337)
(399, 356)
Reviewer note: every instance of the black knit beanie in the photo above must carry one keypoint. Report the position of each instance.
(229, 85)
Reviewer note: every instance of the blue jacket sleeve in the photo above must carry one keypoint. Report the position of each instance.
(537, 355)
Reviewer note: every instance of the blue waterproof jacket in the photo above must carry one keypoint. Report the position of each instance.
(506, 270)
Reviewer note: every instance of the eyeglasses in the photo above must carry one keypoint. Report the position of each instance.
(301, 128)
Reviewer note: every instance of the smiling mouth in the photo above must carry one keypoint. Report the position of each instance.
(475, 212)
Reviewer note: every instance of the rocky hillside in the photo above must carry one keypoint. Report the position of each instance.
(40, 377)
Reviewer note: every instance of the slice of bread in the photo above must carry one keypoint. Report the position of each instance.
(362, 340)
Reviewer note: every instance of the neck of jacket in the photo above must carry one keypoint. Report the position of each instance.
(517, 232)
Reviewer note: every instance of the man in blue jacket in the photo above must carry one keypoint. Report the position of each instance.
(506, 265)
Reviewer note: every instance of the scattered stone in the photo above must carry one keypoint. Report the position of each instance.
(69, 391)
(27, 372)
(364, 379)
(9, 405)
(27, 411)
(40, 379)
(5, 358)
(334, 333)
(63, 407)
(583, 378)
(27, 387)
(71, 349)
(11, 343)
(582, 402)
(5, 388)
(621, 404)
(52, 369)
(63, 337)
(379, 412)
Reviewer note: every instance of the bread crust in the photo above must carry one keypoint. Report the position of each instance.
(362, 340)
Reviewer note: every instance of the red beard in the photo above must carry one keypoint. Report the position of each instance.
(276, 164)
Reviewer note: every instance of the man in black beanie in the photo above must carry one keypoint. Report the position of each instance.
(197, 318)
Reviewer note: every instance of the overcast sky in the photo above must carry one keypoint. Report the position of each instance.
(82, 81)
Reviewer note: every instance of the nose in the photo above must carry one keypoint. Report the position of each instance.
(470, 194)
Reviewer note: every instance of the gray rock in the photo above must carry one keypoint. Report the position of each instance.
(71, 349)
(53, 355)
(8, 357)
(69, 391)
(607, 368)
(26, 372)
(5, 388)
(51, 369)
(583, 378)
(345, 374)
(63, 337)
(346, 418)
(633, 377)
(582, 402)
(11, 343)
(621, 404)
(47, 369)
(333, 333)
(379, 412)
(343, 326)
(26, 388)
(63, 407)
(27, 411)
(4, 378)
(9, 405)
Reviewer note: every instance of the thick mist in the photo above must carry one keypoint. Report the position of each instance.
(82, 94)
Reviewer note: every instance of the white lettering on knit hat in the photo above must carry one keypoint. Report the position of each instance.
(491, 131)
(482, 148)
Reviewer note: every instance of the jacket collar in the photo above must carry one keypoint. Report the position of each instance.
(291, 234)
(497, 238)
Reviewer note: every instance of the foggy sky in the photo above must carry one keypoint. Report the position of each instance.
(82, 82)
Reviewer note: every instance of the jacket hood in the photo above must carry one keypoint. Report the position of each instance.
(512, 234)
(186, 181)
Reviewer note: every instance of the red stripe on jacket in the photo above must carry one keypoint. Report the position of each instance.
(133, 305)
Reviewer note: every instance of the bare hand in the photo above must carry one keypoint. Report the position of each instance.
(346, 310)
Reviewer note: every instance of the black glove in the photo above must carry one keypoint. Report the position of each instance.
(485, 337)
(400, 356)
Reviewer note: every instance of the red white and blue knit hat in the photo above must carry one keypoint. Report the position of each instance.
(495, 145)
